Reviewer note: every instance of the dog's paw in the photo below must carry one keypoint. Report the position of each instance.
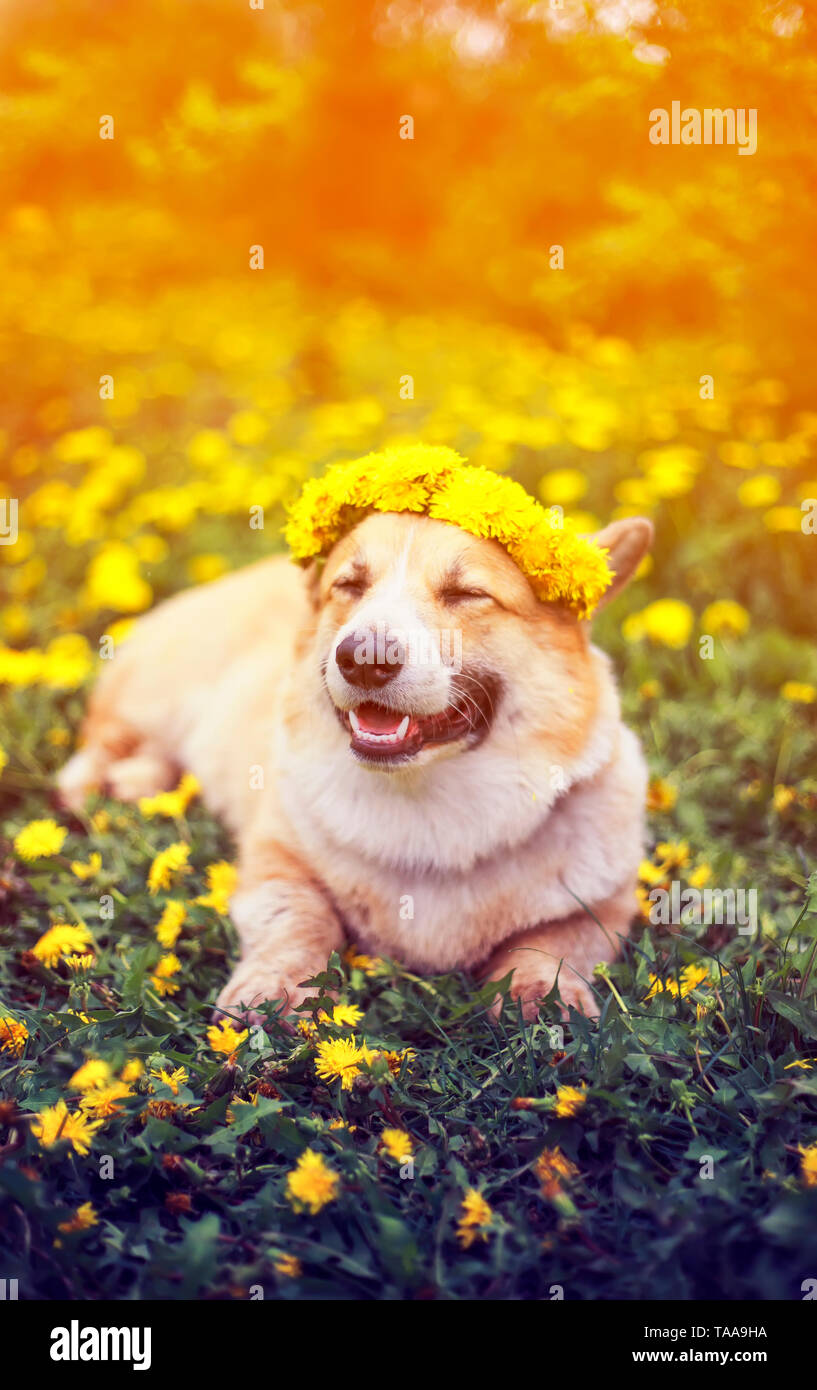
(530, 987)
(77, 780)
(249, 987)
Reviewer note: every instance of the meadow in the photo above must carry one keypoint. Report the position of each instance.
(146, 1154)
(394, 1141)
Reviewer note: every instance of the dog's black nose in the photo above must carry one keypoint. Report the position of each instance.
(369, 664)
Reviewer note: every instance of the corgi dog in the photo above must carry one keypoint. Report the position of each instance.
(474, 803)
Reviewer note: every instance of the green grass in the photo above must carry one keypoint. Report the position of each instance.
(668, 1083)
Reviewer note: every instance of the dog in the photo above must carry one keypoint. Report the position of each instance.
(477, 806)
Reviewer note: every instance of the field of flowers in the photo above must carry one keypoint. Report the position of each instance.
(397, 1143)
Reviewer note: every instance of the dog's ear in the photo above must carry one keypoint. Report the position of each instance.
(627, 542)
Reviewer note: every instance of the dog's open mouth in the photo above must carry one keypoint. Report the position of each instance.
(380, 734)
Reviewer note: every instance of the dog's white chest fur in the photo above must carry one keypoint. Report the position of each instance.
(435, 871)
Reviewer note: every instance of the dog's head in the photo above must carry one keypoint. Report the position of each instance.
(431, 642)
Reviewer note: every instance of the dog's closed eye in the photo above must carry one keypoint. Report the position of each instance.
(456, 596)
(352, 584)
(454, 588)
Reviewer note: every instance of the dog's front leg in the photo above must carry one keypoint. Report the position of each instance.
(287, 928)
(569, 948)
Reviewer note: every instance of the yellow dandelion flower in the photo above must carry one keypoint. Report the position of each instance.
(689, 979)
(172, 804)
(40, 839)
(395, 1060)
(161, 980)
(168, 928)
(783, 797)
(93, 1073)
(398, 1144)
(159, 1110)
(633, 629)
(667, 622)
(221, 882)
(661, 795)
(700, 876)
(340, 1058)
(799, 692)
(673, 854)
(203, 568)
(563, 486)
(724, 615)
(346, 1015)
(760, 491)
(808, 1165)
(84, 1217)
(55, 1124)
(113, 580)
(103, 1100)
(357, 961)
(783, 519)
(251, 1104)
(20, 668)
(223, 1037)
(552, 1167)
(13, 1035)
(311, 1184)
(62, 939)
(172, 1079)
(132, 1070)
(569, 1101)
(80, 965)
(170, 861)
(289, 1266)
(89, 869)
(123, 627)
(67, 662)
(476, 1215)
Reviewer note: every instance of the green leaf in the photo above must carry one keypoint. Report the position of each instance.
(795, 1010)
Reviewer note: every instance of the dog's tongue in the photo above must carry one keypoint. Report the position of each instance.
(375, 719)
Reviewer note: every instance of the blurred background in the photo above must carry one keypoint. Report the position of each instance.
(159, 382)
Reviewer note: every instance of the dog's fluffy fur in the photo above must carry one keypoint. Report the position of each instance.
(512, 845)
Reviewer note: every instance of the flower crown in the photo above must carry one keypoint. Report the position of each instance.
(562, 566)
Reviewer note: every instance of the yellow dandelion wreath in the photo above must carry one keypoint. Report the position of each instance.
(562, 566)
